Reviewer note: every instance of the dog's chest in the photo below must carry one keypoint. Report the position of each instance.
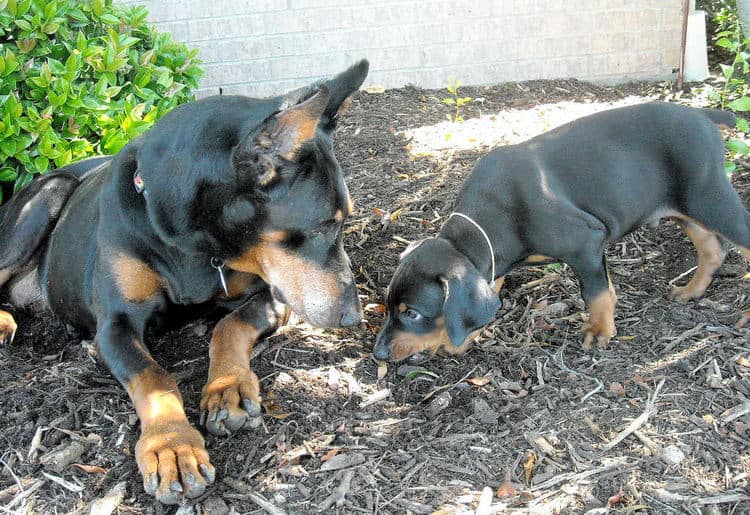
(193, 284)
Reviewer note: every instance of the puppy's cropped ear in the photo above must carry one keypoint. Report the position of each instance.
(280, 138)
(469, 304)
(411, 247)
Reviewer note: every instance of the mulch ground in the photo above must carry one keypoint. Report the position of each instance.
(525, 422)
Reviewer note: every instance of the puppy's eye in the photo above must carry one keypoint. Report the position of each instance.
(413, 314)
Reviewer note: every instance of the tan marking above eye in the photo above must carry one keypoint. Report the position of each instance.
(402, 307)
(135, 279)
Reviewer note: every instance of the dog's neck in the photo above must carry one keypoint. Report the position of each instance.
(473, 243)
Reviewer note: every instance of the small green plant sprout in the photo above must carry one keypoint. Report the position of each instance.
(738, 147)
(455, 100)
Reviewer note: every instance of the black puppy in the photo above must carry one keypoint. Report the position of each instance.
(228, 201)
(564, 196)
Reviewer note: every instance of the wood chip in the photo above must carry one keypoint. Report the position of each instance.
(342, 461)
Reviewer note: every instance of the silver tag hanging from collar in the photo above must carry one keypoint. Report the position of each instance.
(218, 264)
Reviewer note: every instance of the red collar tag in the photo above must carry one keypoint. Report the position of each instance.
(138, 182)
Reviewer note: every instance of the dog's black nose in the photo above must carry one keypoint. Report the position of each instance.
(382, 352)
(351, 317)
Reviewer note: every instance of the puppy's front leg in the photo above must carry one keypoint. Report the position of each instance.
(231, 397)
(599, 294)
(170, 453)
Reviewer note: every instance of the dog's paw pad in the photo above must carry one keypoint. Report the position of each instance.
(231, 402)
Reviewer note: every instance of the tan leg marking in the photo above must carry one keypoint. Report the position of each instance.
(710, 257)
(231, 397)
(601, 322)
(499, 282)
(745, 318)
(170, 453)
(7, 327)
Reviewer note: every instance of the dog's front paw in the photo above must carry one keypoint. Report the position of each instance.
(231, 402)
(173, 462)
(7, 327)
(601, 329)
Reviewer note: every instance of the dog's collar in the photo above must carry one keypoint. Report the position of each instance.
(486, 238)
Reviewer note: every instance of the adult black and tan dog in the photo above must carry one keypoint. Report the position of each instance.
(229, 201)
(564, 196)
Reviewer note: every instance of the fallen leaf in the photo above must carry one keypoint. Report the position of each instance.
(274, 410)
(709, 419)
(627, 337)
(524, 375)
(617, 389)
(90, 469)
(377, 308)
(378, 212)
(394, 216)
(528, 464)
(382, 369)
(618, 497)
(478, 381)
(506, 490)
(330, 454)
(374, 89)
(743, 361)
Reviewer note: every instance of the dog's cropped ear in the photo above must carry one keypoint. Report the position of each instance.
(342, 86)
(280, 137)
(470, 303)
(296, 125)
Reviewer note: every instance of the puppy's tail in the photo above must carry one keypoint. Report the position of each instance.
(724, 119)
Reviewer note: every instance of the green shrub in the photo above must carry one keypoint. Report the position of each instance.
(81, 78)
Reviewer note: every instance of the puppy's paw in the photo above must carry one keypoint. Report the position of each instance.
(7, 327)
(684, 294)
(173, 462)
(231, 402)
(599, 329)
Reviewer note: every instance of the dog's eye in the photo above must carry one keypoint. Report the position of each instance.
(413, 314)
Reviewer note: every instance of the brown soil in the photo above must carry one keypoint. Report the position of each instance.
(526, 410)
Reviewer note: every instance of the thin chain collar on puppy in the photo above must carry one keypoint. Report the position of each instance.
(486, 238)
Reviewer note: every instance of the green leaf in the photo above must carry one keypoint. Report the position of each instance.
(8, 174)
(727, 70)
(22, 24)
(724, 43)
(8, 146)
(738, 147)
(729, 167)
(110, 19)
(420, 372)
(41, 163)
(740, 104)
(449, 101)
(743, 125)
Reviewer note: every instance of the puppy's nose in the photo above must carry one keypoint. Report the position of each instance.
(382, 351)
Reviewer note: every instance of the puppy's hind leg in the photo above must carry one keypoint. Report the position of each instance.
(711, 255)
(25, 222)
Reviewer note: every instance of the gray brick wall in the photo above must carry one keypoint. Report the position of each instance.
(261, 47)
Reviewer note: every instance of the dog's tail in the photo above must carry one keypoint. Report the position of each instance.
(723, 119)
